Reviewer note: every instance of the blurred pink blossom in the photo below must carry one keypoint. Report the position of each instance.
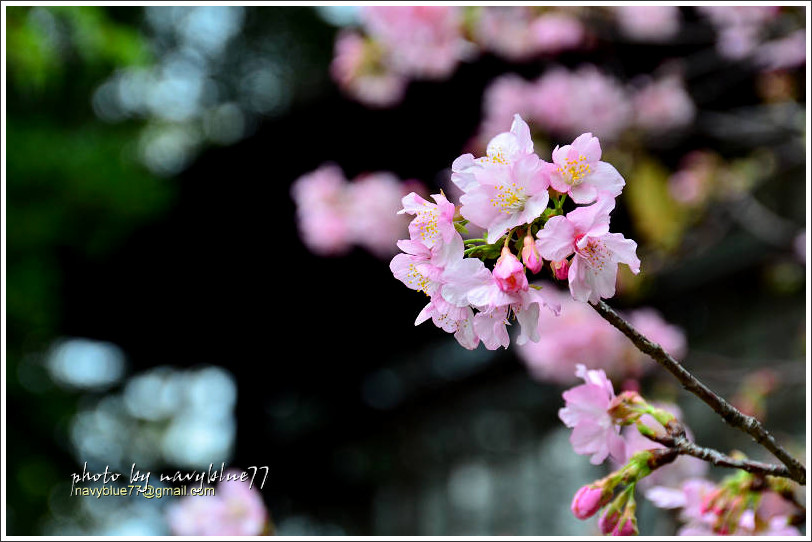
(783, 53)
(586, 411)
(691, 183)
(556, 31)
(663, 105)
(373, 218)
(740, 28)
(321, 210)
(359, 72)
(235, 509)
(504, 97)
(419, 41)
(507, 32)
(568, 103)
(800, 246)
(333, 214)
(580, 335)
(648, 23)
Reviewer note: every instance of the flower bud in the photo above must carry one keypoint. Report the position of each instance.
(587, 501)
(560, 269)
(509, 273)
(608, 520)
(627, 526)
(627, 407)
(616, 523)
(530, 254)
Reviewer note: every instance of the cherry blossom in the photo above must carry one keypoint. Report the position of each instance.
(507, 187)
(585, 233)
(580, 172)
(594, 431)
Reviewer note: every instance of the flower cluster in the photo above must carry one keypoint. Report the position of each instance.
(334, 214)
(564, 103)
(400, 43)
(235, 509)
(743, 503)
(507, 194)
(396, 44)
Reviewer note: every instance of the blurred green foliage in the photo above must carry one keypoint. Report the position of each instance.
(58, 151)
(44, 43)
(74, 188)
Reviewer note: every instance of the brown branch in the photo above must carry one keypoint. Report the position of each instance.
(750, 425)
(678, 442)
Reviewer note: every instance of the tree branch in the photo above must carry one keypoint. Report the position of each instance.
(750, 425)
(677, 441)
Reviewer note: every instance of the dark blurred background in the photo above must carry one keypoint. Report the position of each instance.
(161, 308)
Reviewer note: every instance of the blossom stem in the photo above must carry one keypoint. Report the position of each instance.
(735, 418)
(677, 441)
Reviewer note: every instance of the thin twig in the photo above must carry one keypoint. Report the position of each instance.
(750, 425)
(677, 441)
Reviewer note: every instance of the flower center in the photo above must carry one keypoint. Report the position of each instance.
(417, 280)
(574, 170)
(595, 253)
(509, 198)
(427, 225)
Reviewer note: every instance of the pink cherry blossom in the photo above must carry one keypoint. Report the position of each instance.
(580, 172)
(452, 319)
(234, 510)
(692, 498)
(416, 267)
(433, 222)
(594, 431)
(507, 187)
(469, 282)
(585, 232)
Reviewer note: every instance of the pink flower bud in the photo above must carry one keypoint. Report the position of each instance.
(530, 254)
(587, 502)
(561, 269)
(608, 520)
(509, 273)
(624, 527)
